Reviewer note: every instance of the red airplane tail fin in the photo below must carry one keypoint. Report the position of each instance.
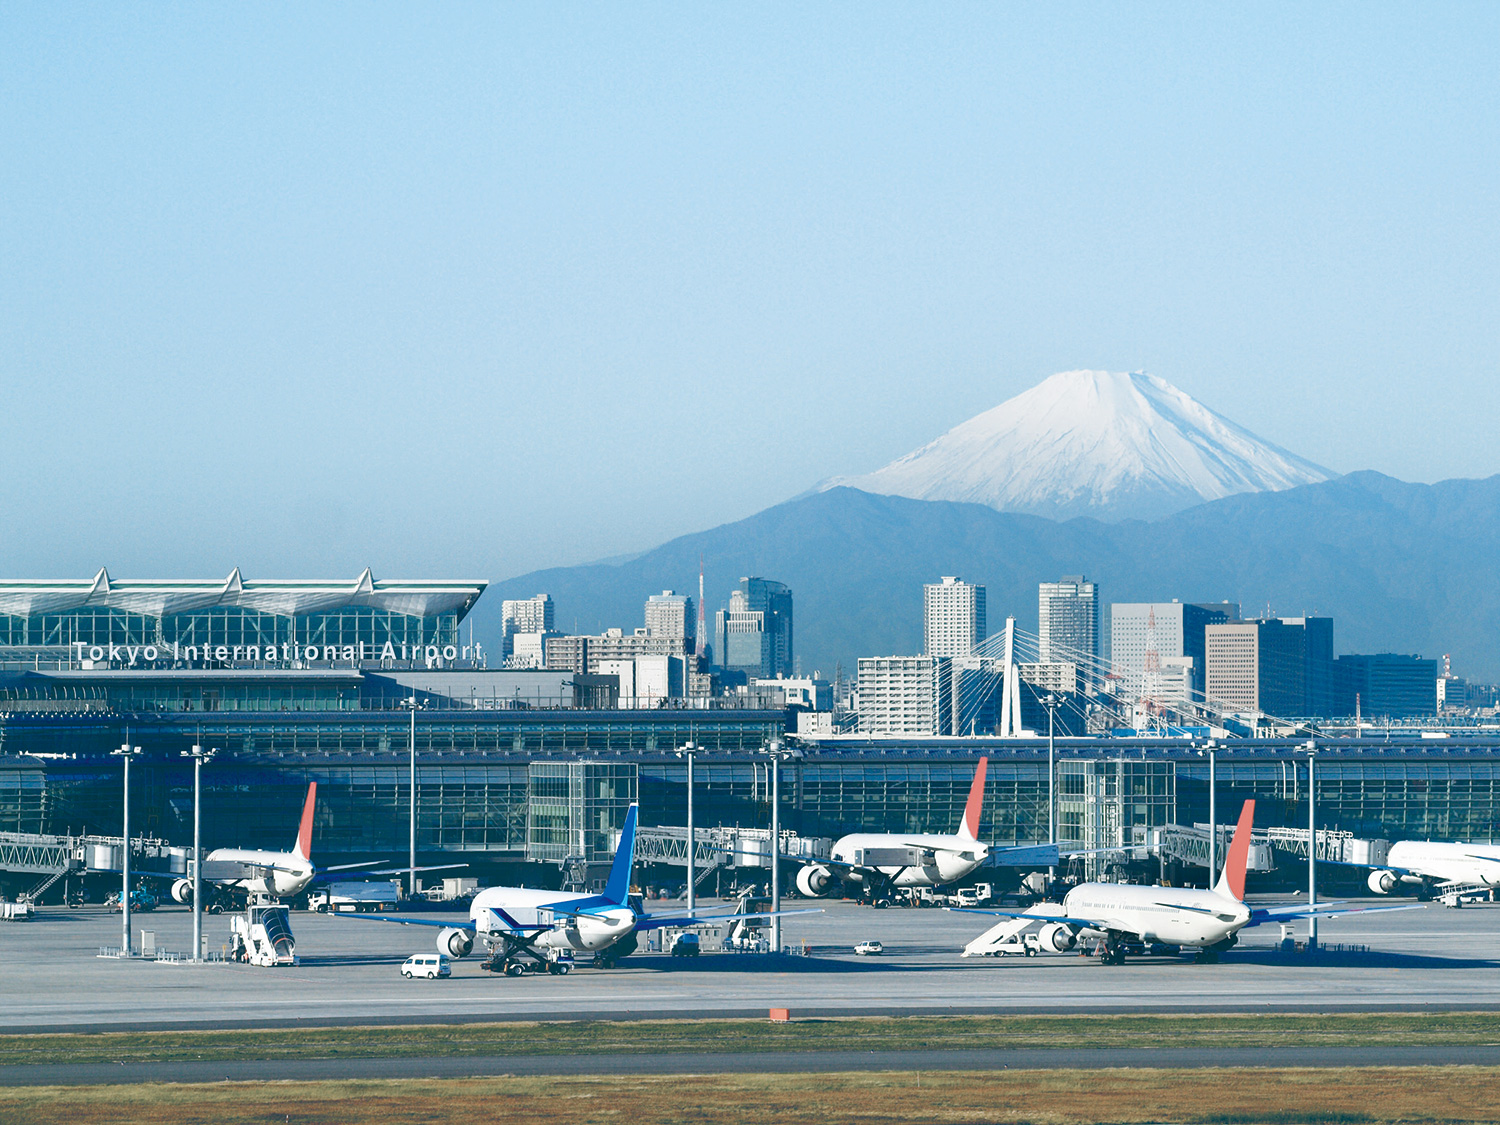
(969, 829)
(1232, 879)
(304, 830)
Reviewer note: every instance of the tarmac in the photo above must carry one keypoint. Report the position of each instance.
(52, 979)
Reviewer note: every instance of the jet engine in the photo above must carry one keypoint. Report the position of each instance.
(1058, 937)
(815, 882)
(1384, 882)
(182, 891)
(953, 866)
(455, 942)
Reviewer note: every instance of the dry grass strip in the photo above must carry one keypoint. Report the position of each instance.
(743, 1036)
(1362, 1096)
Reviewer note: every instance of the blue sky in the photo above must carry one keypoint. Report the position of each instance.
(472, 290)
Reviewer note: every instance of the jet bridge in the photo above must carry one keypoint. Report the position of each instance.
(51, 858)
(1189, 845)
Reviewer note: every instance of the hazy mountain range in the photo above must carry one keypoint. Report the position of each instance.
(1400, 567)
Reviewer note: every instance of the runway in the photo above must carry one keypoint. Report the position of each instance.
(1432, 959)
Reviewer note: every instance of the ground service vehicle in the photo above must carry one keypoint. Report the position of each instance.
(869, 949)
(429, 965)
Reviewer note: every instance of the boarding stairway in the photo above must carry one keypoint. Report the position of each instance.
(1007, 935)
(1456, 894)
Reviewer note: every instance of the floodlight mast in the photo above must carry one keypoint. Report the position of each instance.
(411, 872)
(687, 750)
(199, 756)
(126, 751)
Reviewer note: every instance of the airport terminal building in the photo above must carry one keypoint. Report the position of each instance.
(339, 682)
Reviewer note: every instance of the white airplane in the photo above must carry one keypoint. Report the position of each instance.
(1433, 865)
(254, 871)
(878, 861)
(529, 930)
(1206, 920)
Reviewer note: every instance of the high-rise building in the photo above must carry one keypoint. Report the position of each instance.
(524, 615)
(905, 695)
(1143, 635)
(754, 635)
(1389, 685)
(1068, 622)
(670, 614)
(952, 617)
(1233, 673)
(1281, 666)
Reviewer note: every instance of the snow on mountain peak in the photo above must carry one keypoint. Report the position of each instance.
(1096, 443)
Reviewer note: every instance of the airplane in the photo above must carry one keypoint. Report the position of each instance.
(1430, 866)
(1206, 920)
(255, 872)
(532, 930)
(875, 862)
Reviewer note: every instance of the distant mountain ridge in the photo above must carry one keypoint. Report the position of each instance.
(1092, 443)
(1400, 567)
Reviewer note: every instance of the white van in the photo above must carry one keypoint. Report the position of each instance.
(429, 965)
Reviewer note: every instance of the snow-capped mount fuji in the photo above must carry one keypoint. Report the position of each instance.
(1092, 443)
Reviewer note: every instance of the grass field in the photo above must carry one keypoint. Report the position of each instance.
(754, 1035)
(1046, 1097)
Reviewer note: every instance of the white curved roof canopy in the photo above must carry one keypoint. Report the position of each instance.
(163, 598)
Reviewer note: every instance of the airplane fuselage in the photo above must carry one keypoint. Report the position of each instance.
(589, 932)
(911, 859)
(1448, 862)
(280, 874)
(1171, 915)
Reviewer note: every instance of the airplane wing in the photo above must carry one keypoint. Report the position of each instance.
(466, 924)
(1261, 916)
(355, 877)
(658, 921)
(1024, 914)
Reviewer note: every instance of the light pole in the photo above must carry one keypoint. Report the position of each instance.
(1312, 844)
(199, 756)
(777, 751)
(411, 873)
(1051, 702)
(126, 751)
(687, 750)
(1213, 814)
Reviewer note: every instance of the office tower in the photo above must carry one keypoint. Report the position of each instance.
(1068, 623)
(1144, 635)
(524, 615)
(671, 615)
(1389, 685)
(754, 635)
(1233, 672)
(952, 617)
(905, 695)
(1281, 666)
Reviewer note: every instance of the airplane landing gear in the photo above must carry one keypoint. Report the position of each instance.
(1113, 954)
(1206, 957)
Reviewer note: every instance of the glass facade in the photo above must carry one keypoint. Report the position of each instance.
(508, 784)
(228, 625)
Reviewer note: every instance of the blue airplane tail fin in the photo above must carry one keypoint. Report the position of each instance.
(617, 890)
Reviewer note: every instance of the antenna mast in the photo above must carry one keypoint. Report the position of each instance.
(702, 617)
